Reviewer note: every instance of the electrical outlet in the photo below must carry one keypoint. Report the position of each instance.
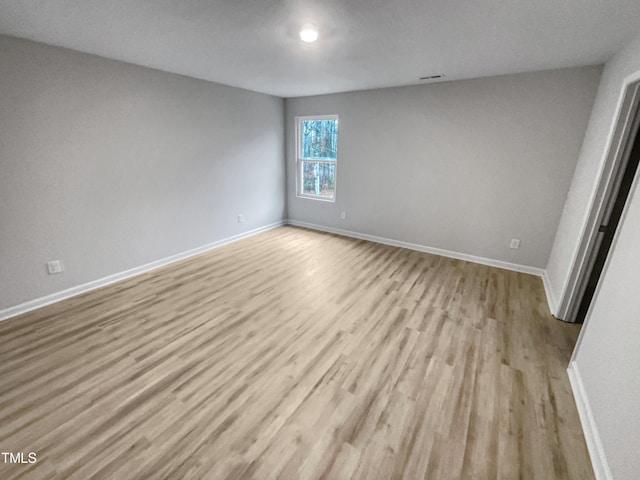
(55, 267)
(515, 243)
(343, 215)
(240, 218)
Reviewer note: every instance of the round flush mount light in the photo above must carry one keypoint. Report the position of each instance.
(308, 34)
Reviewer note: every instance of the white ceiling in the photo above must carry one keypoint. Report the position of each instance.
(363, 43)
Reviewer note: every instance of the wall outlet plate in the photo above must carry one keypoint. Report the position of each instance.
(515, 243)
(54, 267)
(240, 218)
(343, 215)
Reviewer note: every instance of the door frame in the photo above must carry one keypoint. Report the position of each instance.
(618, 148)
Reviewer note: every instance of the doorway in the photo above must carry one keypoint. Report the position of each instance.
(615, 195)
(607, 230)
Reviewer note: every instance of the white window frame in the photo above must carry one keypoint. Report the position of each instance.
(299, 159)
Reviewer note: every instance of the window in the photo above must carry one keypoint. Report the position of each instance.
(317, 155)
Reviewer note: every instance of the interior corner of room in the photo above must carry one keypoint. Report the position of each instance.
(110, 169)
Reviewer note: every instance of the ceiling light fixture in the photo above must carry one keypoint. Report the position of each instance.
(308, 34)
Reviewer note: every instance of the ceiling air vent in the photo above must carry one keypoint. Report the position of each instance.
(431, 77)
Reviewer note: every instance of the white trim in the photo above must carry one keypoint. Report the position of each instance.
(116, 277)
(422, 248)
(324, 116)
(551, 300)
(594, 444)
(318, 197)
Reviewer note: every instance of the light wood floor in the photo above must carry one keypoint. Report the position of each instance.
(295, 354)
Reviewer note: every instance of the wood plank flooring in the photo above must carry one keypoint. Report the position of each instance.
(295, 354)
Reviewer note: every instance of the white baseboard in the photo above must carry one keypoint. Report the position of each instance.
(591, 435)
(551, 300)
(71, 292)
(422, 248)
(116, 277)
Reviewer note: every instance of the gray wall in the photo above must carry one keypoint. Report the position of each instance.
(462, 166)
(109, 166)
(608, 353)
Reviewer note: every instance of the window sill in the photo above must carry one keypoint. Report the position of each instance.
(320, 199)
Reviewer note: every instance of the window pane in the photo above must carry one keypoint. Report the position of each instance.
(318, 179)
(319, 139)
